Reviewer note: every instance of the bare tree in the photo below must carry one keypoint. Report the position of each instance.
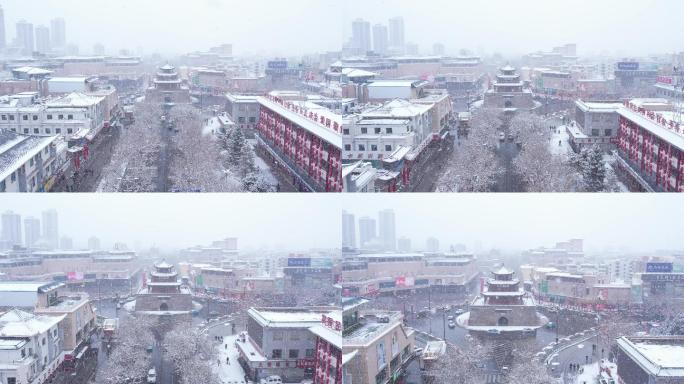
(134, 161)
(539, 169)
(191, 353)
(475, 166)
(129, 359)
(196, 162)
(460, 366)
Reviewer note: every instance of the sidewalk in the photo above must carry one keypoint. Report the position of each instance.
(231, 373)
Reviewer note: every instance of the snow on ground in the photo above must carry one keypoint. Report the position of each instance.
(212, 126)
(590, 373)
(261, 164)
(231, 373)
(561, 134)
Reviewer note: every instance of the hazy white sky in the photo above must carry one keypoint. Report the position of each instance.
(522, 221)
(292, 27)
(292, 221)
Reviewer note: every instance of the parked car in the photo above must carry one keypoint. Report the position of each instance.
(272, 380)
(493, 331)
(452, 324)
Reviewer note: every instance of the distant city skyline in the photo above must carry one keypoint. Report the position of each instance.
(515, 222)
(177, 221)
(528, 25)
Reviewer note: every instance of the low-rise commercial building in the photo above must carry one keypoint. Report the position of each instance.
(373, 274)
(79, 319)
(286, 342)
(28, 163)
(30, 347)
(653, 360)
(377, 346)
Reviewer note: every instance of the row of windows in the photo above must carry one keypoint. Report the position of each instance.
(597, 132)
(35, 117)
(46, 131)
(373, 147)
(292, 353)
(364, 130)
(251, 120)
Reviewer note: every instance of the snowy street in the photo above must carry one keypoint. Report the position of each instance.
(229, 370)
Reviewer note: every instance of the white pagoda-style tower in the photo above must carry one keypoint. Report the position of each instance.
(502, 306)
(168, 88)
(508, 92)
(164, 294)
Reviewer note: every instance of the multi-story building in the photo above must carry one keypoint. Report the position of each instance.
(50, 227)
(595, 124)
(387, 230)
(379, 132)
(348, 230)
(24, 38)
(243, 110)
(304, 138)
(58, 27)
(397, 37)
(432, 245)
(31, 231)
(308, 273)
(377, 345)
(386, 273)
(113, 269)
(330, 362)
(11, 229)
(78, 319)
(367, 231)
(361, 37)
(28, 294)
(72, 116)
(380, 39)
(635, 79)
(31, 351)
(28, 163)
(650, 359)
(42, 39)
(286, 342)
(651, 146)
(461, 76)
(403, 244)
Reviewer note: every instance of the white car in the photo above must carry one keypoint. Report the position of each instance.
(272, 380)
(152, 376)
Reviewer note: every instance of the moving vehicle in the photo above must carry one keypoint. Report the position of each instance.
(452, 324)
(152, 376)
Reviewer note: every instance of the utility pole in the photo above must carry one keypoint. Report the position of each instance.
(444, 324)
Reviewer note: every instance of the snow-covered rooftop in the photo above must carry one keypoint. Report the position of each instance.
(74, 100)
(374, 325)
(315, 128)
(659, 356)
(666, 134)
(16, 149)
(293, 317)
(24, 286)
(17, 323)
